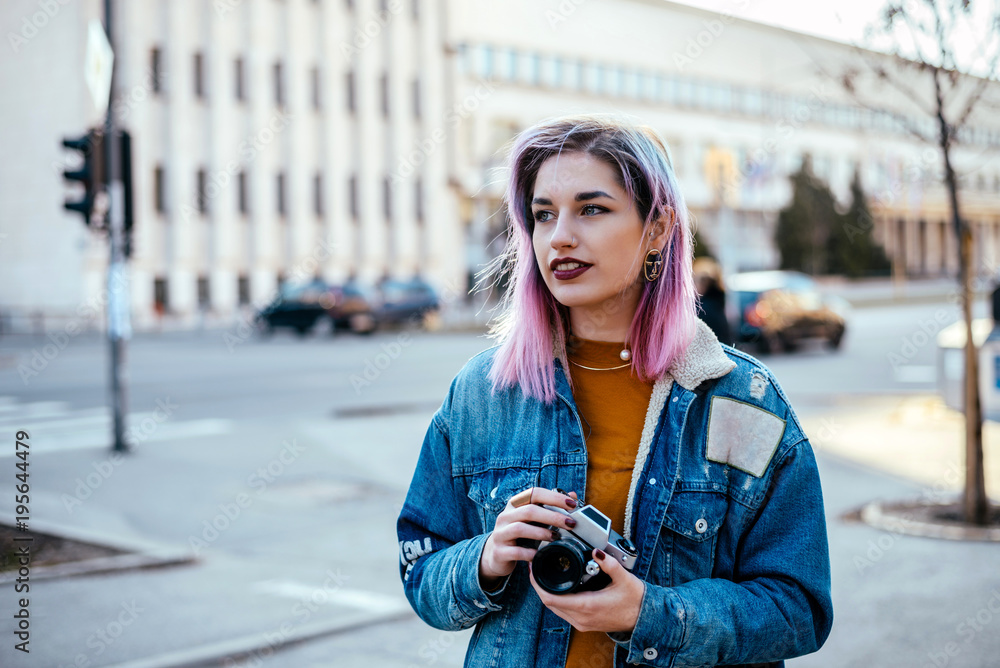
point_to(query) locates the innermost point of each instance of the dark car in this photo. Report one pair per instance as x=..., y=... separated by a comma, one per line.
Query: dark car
x=354, y=306
x=300, y=306
x=775, y=310
x=414, y=299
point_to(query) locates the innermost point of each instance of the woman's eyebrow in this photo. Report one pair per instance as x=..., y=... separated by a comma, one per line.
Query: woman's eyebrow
x=593, y=194
x=580, y=197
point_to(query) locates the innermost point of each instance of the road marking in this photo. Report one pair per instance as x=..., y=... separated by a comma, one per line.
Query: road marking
x=368, y=601
x=55, y=428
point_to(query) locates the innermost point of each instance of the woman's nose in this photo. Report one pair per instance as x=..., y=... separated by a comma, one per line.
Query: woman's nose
x=562, y=235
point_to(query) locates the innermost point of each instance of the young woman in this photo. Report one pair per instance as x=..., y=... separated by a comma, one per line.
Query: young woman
x=605, y=384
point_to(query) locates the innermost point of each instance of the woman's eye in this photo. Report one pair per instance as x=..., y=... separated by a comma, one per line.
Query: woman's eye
x=591, y=209
x=541, y=216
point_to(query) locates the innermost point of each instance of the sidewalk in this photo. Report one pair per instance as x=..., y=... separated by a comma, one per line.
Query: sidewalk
x=292, y=528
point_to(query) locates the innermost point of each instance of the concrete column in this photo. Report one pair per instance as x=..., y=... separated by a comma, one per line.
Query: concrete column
x=337, y=44
x=180, y=158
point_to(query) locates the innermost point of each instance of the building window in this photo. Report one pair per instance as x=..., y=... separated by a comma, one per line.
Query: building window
x=281, y=194
x=202, y=189
x=352, y=196
x=349, y=84
x=203, y=293
x=159, y=190
x=199, y=76
x=314, y=78
x=161, y=295
x=384, y=93
x=243, y=290
x=387, y=198
x=318, y=194
x=241, y=189
x=416, y=99
x=241, y=93
x=279, y=89
x=156, y=69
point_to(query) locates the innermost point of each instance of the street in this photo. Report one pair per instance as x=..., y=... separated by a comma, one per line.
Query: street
x=281, y=463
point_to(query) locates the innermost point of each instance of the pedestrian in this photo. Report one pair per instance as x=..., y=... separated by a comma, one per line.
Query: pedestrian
x=712, y=297
x=605, y=384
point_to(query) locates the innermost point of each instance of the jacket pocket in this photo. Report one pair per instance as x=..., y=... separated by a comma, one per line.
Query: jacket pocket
x=689, y=534
x=491, y=489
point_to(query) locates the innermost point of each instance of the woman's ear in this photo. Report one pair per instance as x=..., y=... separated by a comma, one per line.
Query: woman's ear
x=660, y=230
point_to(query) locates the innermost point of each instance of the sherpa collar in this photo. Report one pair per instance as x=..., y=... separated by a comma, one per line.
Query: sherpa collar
x=703, y=359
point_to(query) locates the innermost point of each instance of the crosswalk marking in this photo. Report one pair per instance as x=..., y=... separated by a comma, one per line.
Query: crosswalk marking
x=55, y=427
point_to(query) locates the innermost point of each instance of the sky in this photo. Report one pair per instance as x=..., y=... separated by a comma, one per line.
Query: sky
x=841, y=20
x=845, y=21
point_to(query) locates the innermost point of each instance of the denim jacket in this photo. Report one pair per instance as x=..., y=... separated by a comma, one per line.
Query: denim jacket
x=725, y=509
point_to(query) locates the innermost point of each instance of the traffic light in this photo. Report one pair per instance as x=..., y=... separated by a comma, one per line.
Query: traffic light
x=125, y=144
x=91, y=174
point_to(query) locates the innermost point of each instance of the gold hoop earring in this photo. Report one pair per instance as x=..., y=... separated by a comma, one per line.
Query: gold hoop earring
x=653, y=265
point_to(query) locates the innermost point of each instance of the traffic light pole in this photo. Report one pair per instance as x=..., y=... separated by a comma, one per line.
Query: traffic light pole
x=119, y=325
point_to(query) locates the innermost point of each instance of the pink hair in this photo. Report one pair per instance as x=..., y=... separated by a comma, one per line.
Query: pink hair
x=532, y=326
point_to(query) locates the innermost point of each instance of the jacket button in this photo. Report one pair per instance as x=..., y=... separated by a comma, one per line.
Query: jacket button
x=652, y=481
x=649, y=653
x=701, y=526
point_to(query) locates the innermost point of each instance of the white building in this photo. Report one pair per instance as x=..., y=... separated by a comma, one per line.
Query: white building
x=289, y=138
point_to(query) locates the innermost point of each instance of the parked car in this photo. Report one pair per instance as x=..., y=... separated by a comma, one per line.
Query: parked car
x=297, y=306
x=777, y=309
x=354, y=306
x=404, y=300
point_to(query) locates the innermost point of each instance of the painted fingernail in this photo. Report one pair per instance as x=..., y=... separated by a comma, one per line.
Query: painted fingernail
x=599, y=554
x=570, y=522
x=556, y=535
x=571, y=502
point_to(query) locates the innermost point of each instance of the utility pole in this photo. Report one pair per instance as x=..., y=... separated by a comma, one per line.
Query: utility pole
x=119, y=324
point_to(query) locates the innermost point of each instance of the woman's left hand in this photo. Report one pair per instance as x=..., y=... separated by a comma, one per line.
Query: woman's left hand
x=613, y=608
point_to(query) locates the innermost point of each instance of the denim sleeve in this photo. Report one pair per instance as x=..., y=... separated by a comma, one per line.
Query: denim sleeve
x=778, y=604
x=440, y=542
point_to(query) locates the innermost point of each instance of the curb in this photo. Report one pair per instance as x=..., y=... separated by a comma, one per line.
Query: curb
x=257, y=646
x=889, y=517
x=140, y=553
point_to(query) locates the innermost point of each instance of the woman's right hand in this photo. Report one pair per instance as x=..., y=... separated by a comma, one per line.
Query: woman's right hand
x=529, y=521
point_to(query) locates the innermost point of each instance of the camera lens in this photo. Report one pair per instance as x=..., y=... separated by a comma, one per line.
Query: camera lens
x=558, y=567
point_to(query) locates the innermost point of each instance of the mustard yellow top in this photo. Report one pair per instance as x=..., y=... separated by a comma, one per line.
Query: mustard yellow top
x=612, y=406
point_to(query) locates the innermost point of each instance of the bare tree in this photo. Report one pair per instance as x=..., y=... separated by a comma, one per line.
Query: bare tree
x=942, y=58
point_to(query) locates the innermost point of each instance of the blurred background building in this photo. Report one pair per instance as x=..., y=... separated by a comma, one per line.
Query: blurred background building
x=284, y=139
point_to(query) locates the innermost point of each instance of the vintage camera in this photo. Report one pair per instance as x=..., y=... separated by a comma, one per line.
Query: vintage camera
x=565, y=566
